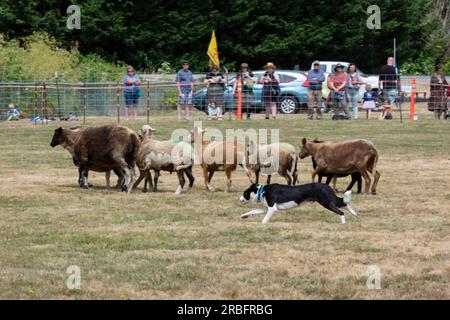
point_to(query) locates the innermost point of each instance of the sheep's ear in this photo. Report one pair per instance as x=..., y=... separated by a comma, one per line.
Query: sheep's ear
x=303, y=141
x=153, y=130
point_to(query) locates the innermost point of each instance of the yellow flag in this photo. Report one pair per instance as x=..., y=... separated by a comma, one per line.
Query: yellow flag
x=213, y=52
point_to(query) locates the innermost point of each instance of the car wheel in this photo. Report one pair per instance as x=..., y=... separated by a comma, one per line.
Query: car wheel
x=288, y=105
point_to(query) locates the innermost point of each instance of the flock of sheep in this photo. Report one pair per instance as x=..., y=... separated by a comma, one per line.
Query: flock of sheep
x=120, y=149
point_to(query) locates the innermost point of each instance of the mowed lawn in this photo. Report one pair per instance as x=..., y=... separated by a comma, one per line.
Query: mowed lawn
x=195, y=246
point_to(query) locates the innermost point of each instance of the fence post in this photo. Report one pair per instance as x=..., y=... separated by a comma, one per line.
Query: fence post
x=84, y=103
x=148, y=102
x=239, y=99
x=413, y=99
x=44, y=103
x=118, y=102
x=35, y=102
x=57, y=95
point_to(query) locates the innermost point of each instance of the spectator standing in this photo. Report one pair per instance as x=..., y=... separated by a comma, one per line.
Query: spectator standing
x=389, y=81
x=215, y=82
x=337, y=83
x=248, y=79
x=437, y=102
x=271, y=90
x=185, y=86
x=352, y=90
x=132, y=92
x=369, y=101
x=315, y=79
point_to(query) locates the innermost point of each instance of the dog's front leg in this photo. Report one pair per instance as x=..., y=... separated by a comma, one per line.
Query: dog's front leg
x=353, y=212
x=252, y=213
x=269, y=214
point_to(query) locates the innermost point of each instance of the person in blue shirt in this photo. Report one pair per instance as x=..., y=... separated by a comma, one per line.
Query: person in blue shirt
x=315, y=79
x=185, y=86
x=369, y=101
x=132, y=92
x=12, y=113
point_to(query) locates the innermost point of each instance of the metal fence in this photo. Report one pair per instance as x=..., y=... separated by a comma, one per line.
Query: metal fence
x=158, y=93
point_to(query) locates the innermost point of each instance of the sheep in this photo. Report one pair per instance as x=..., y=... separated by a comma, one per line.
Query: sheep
x=209, y=150
x=261, y=159
x=101, y=149
x=163, y=155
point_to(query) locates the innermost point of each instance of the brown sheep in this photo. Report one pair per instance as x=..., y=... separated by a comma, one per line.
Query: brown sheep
x=340, y=157
x=101, y=148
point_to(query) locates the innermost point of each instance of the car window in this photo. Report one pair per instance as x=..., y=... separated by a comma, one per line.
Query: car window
x=323, y=67
x=287, y=78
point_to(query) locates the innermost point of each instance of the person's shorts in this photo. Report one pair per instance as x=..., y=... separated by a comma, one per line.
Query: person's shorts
x=338, y=96
x=131, y=99
x=185, y=99
x=390, y=95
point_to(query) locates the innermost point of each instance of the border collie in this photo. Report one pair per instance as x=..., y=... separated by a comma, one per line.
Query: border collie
x=282, y=197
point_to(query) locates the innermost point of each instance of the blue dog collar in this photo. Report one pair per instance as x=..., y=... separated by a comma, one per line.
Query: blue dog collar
x=260, y=193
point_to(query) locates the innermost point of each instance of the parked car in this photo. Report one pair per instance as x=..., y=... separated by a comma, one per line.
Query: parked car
x=293, y=95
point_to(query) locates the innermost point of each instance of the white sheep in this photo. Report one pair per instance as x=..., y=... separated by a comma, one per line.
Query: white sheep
x=273, y=158
x=163, y=155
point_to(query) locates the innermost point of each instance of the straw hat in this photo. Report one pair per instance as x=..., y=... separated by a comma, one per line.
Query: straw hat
x=244, y=65
x=270, y=65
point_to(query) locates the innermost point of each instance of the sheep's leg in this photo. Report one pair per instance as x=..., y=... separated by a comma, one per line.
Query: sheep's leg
x=155, y=181
x=334, y=182
x=228, y=180
x=190, y=176
x=257, y=176
x=80, y=176
x=108, y=177
x=268, y=179
x=367, y=179
x=375, y=182
x=181, y=182
x=288, y=178
x=207, y=178
x=85, y=175
x=316, y=172
x=139, y=179
x=119, y=174
x=295, y=178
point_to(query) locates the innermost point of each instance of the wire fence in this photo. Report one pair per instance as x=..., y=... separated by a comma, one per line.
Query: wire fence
x=54, y=100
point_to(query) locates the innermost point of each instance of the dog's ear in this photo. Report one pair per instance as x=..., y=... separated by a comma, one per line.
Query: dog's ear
x=303, y=141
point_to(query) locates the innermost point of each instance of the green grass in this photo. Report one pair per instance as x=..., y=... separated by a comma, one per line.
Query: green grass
x=196, y=246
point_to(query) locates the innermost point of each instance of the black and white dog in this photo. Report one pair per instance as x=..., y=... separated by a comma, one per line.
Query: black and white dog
x=282, y=197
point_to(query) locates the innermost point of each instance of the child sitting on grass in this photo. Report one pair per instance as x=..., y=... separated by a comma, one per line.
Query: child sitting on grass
x=369, y=101
x=214, y=112
x=12, y=114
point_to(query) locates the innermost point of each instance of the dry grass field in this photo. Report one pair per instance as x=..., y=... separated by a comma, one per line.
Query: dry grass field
x=195, y=246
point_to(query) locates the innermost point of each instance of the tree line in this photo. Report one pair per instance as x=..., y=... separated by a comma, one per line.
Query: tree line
x=289, y=32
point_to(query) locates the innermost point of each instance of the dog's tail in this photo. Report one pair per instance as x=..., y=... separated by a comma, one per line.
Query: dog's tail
x=347, y=197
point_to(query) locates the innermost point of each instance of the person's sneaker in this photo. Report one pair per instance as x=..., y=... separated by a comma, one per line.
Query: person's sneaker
x=248, y=116
x=267, y=118
x=319, y=118
x=310, y=118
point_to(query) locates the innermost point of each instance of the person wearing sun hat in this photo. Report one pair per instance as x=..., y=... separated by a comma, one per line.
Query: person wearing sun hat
x=248, y=79
x=337, y=83
x=271, y=89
